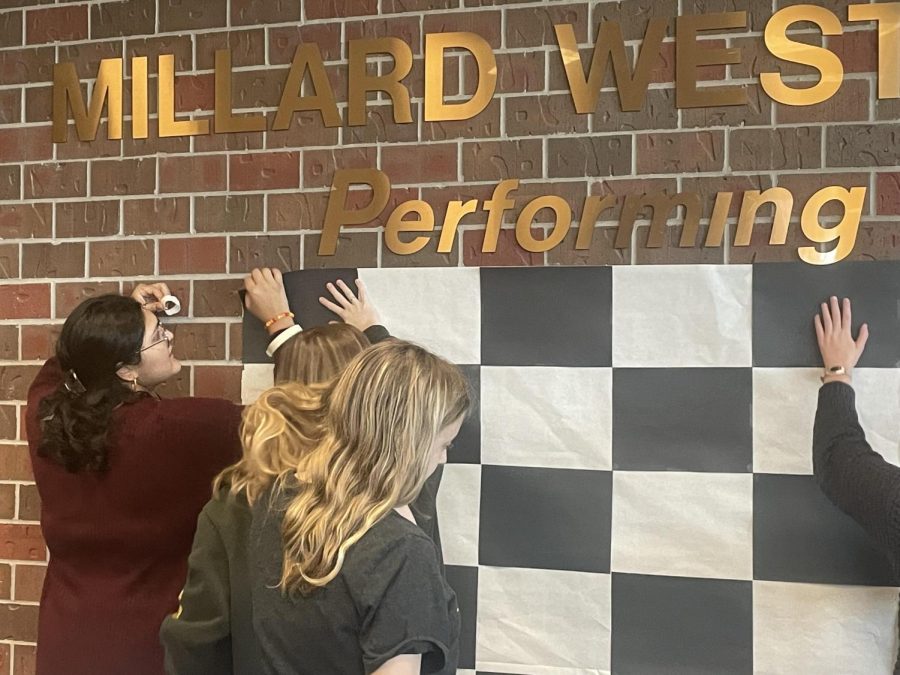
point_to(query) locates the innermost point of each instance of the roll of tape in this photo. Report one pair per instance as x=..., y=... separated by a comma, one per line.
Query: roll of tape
x=171, y=305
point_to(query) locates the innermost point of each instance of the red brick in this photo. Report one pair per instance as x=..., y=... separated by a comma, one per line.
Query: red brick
x=10, y=183
x=238, y=142
x=297, y=211
x=858, y=51
x=434, y=163
x=9, y=348
x=199, y=341
x=153, y=144
x=29, y=582
x=121, y=258
x=574, y=157
x=177, y=45
x=485, y=24
x=250, y=12
x=236, y=342
x=19, y=622
x=39, y=342
x=131, y=17
x=533, y=26
x=198, y=173
x=498, y=160
x=29, y=503
x=681, y=152
x=7, y=512
x=8, y=423
x=102, y=146
x=331, y=9
x=87, y=219
x=123, y=177
x=231, y=213
x=247, y=47
x=15, y=462
x=39, y=105
x=24, y=659
x=308, y=129
x=380, y=127
x=11, y=29
x=256, y=89
x=196, y=255
x=47, y=181
x=193, y=92
x=354, y=249
x=887, y=194
x=774, y=149
x=24, y=301
x=11, y=106
x=177, y=15
x=516, y=73
x=406, y=28
x=15, y=380
x=26, y=66
x=56, y=24
x=217, y=297
x=70, y=295
x=850, y=104
x=218, y=382
x=56, y=260
x=87, y=57
x=283, y=41
x=165, y=215
x=485, y=124
x=508, y=253
x=264, y=171
x=23, y=426
x=25, y=144
x=22, y=542
x=9, y=261
x=282, y=252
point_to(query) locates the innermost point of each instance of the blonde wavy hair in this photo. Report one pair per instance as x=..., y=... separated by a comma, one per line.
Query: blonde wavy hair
x=384, y=413
x=285, y=422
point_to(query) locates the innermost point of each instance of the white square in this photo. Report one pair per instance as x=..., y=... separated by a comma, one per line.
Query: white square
x=827, y=630
x=535, y=621
x=683, y=524
x=682, y=315
x=547, y=417
x=458, y=503
x=784, y=412
x=439, y=309
x=256, y=378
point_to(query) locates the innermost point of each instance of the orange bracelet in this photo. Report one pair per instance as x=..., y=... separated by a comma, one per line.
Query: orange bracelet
x=279, y=317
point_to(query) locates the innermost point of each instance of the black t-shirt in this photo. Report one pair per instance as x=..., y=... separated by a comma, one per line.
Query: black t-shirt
x=390, y=598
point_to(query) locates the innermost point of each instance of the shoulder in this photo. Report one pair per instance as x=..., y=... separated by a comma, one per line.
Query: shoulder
x=391, y=545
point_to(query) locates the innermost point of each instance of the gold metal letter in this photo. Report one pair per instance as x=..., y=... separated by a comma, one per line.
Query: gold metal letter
x=844, y=232
x=485, y=65
x=495, y=206
x=168, y=125
x=523, y=224
x=307, y=56
x=337, y=214
x=823, y=60
x=226, y=122
x=140, y=108
x=67, y=89
x=360, y=82
x=662, y=205
x=887, y=16
x=689, y=55
x=456, y=210
x=753, y=199
x=396, y=224
x=593, y=207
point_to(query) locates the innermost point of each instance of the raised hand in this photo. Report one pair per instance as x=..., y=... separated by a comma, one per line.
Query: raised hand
x=358, y=311
x=265, y=298
x=836, y=342
x=150, y=295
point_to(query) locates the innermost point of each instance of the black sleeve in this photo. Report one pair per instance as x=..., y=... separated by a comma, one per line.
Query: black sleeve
x=197, y=638
x=852, y=475
x=377, y=333
x=411, y=610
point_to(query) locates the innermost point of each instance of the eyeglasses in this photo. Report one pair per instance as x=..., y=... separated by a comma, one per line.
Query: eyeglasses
x=161, y=334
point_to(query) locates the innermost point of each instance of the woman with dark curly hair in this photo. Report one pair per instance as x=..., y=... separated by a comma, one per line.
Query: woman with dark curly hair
x=122, y=476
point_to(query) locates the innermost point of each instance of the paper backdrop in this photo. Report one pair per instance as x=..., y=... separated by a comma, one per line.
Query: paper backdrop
x=634, y=492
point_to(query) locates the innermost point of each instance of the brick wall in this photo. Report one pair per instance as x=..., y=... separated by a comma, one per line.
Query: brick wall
x=84, y=218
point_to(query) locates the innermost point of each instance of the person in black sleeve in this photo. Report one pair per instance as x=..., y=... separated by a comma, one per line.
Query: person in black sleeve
x=342, y=579
x=853, y=476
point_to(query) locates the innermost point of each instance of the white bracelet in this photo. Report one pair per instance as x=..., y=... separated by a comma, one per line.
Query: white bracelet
x=282, y=337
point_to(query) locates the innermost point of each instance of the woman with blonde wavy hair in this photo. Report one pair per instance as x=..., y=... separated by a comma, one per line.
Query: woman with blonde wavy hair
x=342, y=578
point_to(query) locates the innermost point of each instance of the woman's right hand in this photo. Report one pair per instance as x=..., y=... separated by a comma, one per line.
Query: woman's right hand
x=266, y=297
x=836, y=343
x=150, y=295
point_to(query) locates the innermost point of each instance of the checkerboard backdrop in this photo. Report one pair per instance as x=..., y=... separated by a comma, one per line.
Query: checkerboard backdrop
x=634, y=493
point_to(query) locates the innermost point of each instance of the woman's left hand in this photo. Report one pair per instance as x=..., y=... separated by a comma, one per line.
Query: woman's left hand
x=150, y=295
x=836, y=343
x=359, y=312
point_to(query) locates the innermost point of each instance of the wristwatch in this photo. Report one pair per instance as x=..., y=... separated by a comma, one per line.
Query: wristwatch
x=833, y=370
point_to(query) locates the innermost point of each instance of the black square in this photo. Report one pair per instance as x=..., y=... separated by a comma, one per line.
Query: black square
x=683, y=419
x=798, y=535
x=467, y=444
x=464, y=581
x=786, y=297
x=550, y=316
x=303, y=292
x=557, y=519
x=679, y=625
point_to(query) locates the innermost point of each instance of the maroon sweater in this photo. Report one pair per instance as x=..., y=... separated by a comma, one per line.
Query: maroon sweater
x=119, y=540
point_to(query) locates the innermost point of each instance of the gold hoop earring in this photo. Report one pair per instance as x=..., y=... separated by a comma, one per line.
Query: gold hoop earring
x=134, y=385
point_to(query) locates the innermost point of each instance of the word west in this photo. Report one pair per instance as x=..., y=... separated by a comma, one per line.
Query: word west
x=609, y=49
x=416, y=217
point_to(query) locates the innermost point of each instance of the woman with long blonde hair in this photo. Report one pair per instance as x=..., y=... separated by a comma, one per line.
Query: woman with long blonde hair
x=342, y=578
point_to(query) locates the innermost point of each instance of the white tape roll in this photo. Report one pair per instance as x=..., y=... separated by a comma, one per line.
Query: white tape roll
x=171, y=305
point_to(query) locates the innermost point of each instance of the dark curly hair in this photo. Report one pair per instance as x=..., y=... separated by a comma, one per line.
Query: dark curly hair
x=100, y=336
